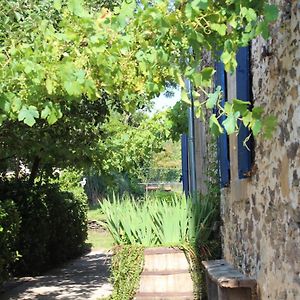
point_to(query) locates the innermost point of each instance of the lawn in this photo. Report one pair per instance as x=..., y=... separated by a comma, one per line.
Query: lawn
x=95, y=213
x=99, y=239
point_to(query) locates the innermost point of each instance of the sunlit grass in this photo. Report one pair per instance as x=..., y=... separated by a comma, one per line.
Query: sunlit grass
x=95, y=213
x=100, y=240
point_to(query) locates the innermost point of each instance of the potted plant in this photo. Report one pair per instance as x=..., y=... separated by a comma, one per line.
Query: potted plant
x=163, y=233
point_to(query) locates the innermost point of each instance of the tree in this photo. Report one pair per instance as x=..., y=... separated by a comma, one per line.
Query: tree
x=129, y=54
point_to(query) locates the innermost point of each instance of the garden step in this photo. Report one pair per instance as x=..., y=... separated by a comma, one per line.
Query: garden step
x=160, y=259
x=166, y=282
x=164, y=272
x=165, y=296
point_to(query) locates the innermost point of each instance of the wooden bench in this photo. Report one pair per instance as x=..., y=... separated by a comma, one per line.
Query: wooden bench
x=224, y=282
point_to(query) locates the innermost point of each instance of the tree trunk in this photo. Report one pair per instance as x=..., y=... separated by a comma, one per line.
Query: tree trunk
x=34, y=170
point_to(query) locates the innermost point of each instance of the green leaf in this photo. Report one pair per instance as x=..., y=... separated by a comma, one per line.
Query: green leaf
x=203, y=78
x=16, y=104
x=49, y=86
x=126, y=11
x=4, y=104
x=257, y=112
x=247, y=118
x=52, y=118
x=220, y=28
x=199, y=113
x=45, y=112
x=213, y=98
x=2, y=118
x=197, y=79
x=57, y=4
x=241, y=106
x=270, y=12
x=249, y=14
x=263, y=29
x=226, y=57
x=269, y=126
x=215, y=125
x=76, y=7
x=73, y=88
x=256, y=127
x=199, y=4
x=28, y=115
x=230, y=123
x=228, y=108
x=184, y=97
x=206, y=75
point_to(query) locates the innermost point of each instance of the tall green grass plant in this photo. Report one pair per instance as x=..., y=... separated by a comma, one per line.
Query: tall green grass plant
x=154, y=222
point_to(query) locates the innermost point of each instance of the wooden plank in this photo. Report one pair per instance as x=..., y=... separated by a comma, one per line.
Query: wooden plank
x=226, y=276
x=231, y=93
x=165, y=272
x=164, y=296
x=161, y=250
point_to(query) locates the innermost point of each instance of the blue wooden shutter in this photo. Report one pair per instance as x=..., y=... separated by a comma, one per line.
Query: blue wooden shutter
x=222, y=142
x=184, y=162
x=243, y=90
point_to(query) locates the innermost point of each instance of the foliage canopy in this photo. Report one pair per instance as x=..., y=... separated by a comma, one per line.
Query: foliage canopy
x=128, y=54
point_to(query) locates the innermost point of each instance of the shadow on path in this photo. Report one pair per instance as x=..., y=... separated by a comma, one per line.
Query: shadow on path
x=83, y=278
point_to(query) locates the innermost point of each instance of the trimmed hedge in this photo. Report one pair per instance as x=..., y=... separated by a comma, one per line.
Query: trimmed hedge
x=9, y=230
x=53, y=227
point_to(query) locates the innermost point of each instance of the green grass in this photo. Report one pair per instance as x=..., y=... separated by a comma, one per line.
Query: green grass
x=95, y=213
x=100, y=240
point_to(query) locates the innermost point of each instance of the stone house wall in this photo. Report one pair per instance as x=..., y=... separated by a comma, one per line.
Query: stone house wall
x=261, y=214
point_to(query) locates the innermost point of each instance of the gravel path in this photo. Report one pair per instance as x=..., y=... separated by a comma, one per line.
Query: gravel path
x=83, y=278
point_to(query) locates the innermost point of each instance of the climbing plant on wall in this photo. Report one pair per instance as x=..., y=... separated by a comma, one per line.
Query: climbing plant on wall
x=129, y=54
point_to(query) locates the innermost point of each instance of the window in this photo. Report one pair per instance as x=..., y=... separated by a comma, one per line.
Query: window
x=243, y=92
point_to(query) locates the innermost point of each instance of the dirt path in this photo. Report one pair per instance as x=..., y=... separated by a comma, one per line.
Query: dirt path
x=83, y=278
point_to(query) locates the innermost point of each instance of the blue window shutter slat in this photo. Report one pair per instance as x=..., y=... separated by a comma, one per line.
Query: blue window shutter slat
x=222, y=142
x=244, y=93
x=184, y=162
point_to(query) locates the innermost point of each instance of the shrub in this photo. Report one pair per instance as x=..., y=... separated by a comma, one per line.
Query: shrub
x=126, y=268
x=9, y=230
x=68, y=223
x=34, y=233
x=53, y=225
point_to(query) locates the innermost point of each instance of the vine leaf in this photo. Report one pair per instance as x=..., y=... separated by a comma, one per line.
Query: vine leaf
x=230, y=122
x=241, y=106
x=76, y=7
x=28, y=115
x=57, y=4
x=215, y=126
x=269, y=125
x=220, y=28
x=213, y=98
x=270, y=12
x=256, y=127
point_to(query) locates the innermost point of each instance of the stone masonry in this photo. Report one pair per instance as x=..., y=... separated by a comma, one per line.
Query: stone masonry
x=261, y=214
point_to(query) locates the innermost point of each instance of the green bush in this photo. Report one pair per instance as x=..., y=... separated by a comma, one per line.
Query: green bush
x=34, y=233
x=53, y=229
x=68, y=223
x=9, y=230
x=53, y=226
x=126, y=268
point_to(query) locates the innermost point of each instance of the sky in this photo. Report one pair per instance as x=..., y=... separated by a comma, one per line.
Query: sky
x=162, y=102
